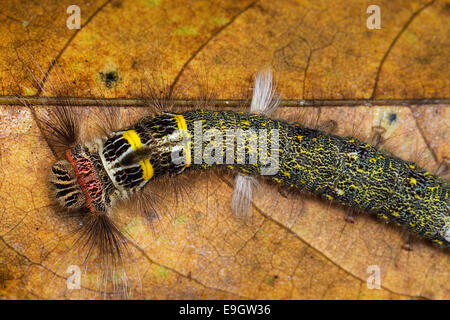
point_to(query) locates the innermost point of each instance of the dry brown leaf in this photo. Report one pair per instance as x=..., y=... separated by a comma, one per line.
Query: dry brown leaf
x=294, y=247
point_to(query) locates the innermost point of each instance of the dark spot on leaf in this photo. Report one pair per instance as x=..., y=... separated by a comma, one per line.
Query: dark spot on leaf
x=392, y=118
x=135, y=64
x=109, y=79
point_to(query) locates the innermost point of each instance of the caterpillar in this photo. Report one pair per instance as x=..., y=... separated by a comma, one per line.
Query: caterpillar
x=94, y=176
x=296, y=246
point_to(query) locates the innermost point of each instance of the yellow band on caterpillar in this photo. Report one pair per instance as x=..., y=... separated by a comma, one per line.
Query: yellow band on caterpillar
x=135, y=142
x=133, y=139
x=147, y=169
x=181, y=122
x=182, y=126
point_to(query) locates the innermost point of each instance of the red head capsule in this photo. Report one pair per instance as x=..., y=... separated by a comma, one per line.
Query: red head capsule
x=79, y=181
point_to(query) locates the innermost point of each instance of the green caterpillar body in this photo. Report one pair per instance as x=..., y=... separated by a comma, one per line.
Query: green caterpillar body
x=341, y=169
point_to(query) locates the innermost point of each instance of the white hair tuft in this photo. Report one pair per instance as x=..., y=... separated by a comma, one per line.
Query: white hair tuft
x=265, y=101
x=242, y=195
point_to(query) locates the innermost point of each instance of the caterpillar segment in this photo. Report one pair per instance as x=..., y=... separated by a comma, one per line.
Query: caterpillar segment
x=264, y=101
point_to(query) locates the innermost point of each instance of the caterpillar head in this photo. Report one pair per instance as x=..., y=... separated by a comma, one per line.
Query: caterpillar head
x=77, y=184
x=79, y=181
x=65, y=187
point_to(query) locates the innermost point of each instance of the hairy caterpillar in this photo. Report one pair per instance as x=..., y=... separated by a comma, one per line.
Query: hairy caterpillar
x=316, y=60
x=95, y=175
x=100, y=231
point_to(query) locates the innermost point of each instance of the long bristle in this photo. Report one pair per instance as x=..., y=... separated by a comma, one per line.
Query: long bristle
x=60, y=128
x=264, y=100
x=242, y=195
x=99, y=232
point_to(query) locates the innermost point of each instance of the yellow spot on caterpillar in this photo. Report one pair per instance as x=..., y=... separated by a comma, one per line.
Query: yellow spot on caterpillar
x=433, y=188
x=373, y=160
x=286, y=173
x=351, y=140
x=182, y=126
x=300, y=138
x=396, y=214
x=277, y=180
x=329, y=197
x=413, y=181
x=133, y=139
x=147, y=169
x=412, y=166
